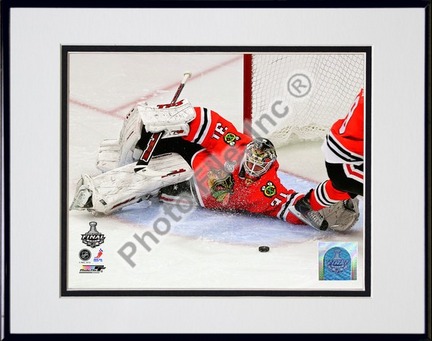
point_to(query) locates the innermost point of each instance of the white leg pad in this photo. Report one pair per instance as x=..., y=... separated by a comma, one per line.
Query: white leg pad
x=120, y=187
x=115, y=153
x=109, y=155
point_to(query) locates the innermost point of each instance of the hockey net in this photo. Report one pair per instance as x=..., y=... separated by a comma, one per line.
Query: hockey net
x=294, y=97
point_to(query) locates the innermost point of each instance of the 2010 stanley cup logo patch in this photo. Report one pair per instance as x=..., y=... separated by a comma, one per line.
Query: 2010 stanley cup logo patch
x=92, y=237
x=337, y=261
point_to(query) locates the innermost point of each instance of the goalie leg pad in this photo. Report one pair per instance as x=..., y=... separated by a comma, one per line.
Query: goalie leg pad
x=83, y=194
x=120, y=152
x=343, y=215
x=121, y=187
x=109, y=155
x=129, y=136
x=178, y=194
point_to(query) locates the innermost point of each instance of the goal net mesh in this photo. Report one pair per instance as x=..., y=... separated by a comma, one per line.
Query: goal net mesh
x=297, y=96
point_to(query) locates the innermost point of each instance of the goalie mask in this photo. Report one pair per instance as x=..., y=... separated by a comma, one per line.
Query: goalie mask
x=260, y=154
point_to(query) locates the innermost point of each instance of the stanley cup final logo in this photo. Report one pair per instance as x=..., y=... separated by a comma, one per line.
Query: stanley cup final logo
x=338, y=261
x=92, y=237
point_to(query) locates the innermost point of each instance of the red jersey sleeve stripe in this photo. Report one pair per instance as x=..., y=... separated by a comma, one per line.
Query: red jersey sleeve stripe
x=283, y=212
x=200, y=126
x=338, y=149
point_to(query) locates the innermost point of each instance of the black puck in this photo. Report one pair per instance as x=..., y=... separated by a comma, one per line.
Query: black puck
x=263, y=249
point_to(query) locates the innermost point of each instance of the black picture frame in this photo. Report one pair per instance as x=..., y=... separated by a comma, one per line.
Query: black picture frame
x=8, y=190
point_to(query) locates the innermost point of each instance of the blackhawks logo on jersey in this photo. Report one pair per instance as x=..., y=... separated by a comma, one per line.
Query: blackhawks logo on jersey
x=269, y=189
x=231, y=139
x=221, y=185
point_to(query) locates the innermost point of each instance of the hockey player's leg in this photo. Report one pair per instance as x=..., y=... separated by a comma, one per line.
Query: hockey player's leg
x=303, y=210
x=120, y=187
x=327, y=207
x=179, y=194
x=346, y=177
x=340, y=216
x=83, y=194
x=326, y=194
x=115, y=153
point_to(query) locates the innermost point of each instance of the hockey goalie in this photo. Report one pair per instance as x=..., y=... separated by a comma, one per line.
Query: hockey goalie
x=180, y=150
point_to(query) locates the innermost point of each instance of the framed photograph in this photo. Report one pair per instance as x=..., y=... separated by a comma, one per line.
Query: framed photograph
x=159, y=160
x=290, y=96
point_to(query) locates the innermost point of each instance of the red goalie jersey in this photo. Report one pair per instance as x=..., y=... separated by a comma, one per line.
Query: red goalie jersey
x=220, y=179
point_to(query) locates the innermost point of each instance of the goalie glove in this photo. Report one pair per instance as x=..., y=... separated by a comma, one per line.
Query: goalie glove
x=172, y=119
x=343, y=215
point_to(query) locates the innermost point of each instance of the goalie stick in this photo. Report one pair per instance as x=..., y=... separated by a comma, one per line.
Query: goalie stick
x=147, y=153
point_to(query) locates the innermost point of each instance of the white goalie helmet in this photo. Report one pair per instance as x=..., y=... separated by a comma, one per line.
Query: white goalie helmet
x=259, y=156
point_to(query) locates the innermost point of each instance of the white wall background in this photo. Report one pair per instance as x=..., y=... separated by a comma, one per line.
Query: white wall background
x=397, y=302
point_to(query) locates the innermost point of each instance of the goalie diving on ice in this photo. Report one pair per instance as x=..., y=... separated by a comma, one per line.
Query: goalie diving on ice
x=198, y=154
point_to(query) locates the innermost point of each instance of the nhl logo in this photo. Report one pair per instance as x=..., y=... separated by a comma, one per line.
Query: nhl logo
x=229, y=166
x=93, y=237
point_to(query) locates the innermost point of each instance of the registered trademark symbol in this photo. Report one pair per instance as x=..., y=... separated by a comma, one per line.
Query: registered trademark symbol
x=299, y=85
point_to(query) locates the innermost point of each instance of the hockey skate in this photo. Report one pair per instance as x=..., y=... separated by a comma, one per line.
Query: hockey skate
x=303, y=210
